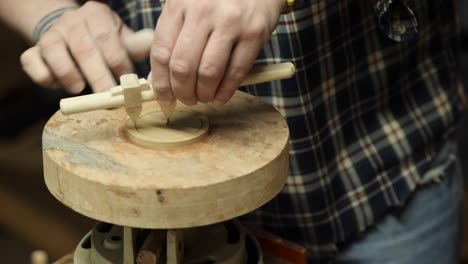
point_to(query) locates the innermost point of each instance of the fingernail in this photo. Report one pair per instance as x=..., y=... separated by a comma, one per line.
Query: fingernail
x=218, y=103
x=164, y=102
x=163, y=53
x=77, y=87
x=160, y=88
x=191, y=102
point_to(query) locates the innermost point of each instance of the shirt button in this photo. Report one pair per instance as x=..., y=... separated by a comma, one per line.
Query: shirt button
x=398, y=28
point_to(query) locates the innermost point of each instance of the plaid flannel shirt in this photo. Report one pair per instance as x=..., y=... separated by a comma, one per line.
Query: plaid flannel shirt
x=373, y=100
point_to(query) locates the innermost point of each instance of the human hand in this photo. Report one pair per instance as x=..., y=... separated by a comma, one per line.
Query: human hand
x=203, y=49
x=83, y=44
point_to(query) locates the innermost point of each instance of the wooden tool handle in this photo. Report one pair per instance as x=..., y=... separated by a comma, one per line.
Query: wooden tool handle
x=270, y=72
x=138, y=45
x=90, y=102
x=106, y=100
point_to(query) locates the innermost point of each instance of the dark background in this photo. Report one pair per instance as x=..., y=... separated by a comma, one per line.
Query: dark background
x=30, y=218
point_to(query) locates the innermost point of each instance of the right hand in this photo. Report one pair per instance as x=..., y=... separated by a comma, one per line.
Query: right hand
x=86, y=44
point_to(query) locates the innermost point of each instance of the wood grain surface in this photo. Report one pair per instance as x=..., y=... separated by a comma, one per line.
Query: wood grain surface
x=242, y=163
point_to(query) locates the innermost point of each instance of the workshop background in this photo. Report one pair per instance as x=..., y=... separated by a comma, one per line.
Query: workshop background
x=30, y=218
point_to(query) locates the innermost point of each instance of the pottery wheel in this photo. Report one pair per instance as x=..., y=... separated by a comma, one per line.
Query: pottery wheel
x=92, y=165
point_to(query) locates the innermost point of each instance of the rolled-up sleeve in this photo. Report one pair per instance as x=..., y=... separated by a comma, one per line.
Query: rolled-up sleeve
x=396, y=19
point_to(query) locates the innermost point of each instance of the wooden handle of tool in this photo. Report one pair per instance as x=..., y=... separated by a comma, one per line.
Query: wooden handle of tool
x=138, y=45
x=106, y=100
x=270, y=72
x=97, y=101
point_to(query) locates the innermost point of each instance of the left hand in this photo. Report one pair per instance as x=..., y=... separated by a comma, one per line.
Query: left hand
x=203, y=49
x=85, y=44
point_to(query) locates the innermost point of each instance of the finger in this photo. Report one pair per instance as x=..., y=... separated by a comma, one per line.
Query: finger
x=55, y=54
x=185, y=60
x=242, y=58
x=164, y=102
x=145, y=35
x=88, y=57
x=107, y=39
x=212, y=65
x=165, y=35
x=36, y=69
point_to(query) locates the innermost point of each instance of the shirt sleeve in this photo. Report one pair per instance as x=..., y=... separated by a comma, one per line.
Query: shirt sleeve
x=396, y=19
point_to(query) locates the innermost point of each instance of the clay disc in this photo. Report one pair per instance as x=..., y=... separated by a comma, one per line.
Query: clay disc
x=151, y=129
x=92, y=166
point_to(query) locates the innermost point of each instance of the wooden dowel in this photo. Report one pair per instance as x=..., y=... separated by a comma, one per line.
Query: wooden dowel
x=39, y=257
x=111, y=99
x=271, y=72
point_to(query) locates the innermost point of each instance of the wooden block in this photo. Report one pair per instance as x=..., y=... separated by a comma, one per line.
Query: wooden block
x=91, y=166
x=132, y=95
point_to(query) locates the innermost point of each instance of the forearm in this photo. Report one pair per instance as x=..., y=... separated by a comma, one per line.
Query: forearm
x=24, y=15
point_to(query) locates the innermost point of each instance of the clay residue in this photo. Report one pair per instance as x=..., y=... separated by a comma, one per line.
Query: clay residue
x=78, y=154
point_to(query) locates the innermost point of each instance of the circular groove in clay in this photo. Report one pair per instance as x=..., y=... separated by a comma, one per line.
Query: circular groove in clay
x=151, y=130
